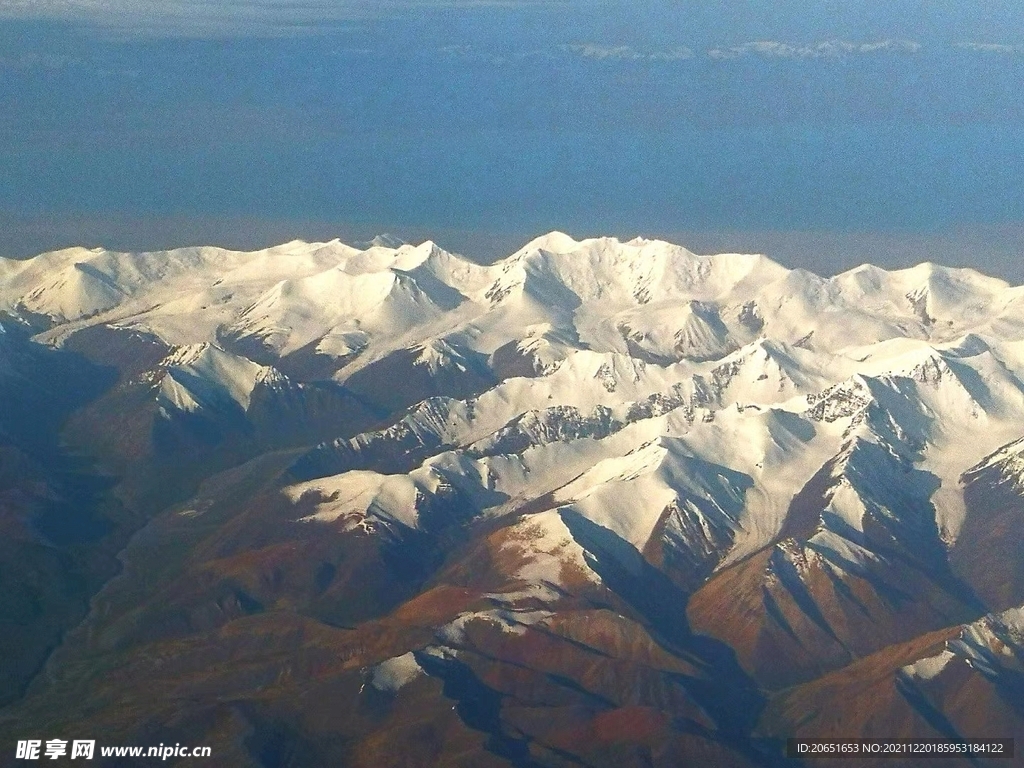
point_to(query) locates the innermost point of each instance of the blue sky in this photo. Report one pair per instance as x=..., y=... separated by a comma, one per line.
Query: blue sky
x=824, y=133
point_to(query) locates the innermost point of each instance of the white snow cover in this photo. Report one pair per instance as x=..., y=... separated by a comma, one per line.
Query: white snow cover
x=993, y=645
x=931, y=667
x=550, y=548
x=360, y=499
x=509, y=621
x=210, y=373
x=711, y=388
x=1010, y=460
x=394, y=674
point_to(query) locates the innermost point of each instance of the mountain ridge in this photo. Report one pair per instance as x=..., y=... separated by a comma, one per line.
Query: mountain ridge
x=441, y=473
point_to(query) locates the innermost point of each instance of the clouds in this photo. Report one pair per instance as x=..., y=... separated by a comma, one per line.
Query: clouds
x=629, y=53
x=766, y=50
x=654, y=31
x=759, y=49
x=626, y=53
x=827, y=49
x=997, y=48
x=461, y=115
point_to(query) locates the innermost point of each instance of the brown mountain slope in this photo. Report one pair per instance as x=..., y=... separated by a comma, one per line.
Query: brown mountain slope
x=962, y=682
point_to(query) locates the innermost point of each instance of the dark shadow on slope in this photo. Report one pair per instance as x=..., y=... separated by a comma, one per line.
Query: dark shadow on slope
x=399, y=380
x=287, y=413
x=440, y=293
x=182, y=432
x=446, y=511
x=412, y=556
x=804, y=510
x=509, y=361
x=899, y=523
x=39, y=391
x=920, y=703
x=272, y=741
x=390, y=453
x=989, y=551
x=776, y=614
x=247, y=345
x=55, y=544
x=695, y=530
x=40, y=387
x=71, y=517
x=725, y=691
x=1010, y=687
x=479, y=707
x=794, y=585
x=846, y=592
x=308, y=364
x=624, y=570
x=971, y=381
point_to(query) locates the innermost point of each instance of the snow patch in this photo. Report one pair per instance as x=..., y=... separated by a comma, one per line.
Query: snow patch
x=394, y=674
x=931, y=667
x=508, y=621
x=359, y=500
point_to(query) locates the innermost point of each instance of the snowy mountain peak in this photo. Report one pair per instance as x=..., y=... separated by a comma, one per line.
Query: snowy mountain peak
x=993, y=645
x=438, y=354
x=554, y=242
x=204, y=375
x=1008, y=461
x=384, y=240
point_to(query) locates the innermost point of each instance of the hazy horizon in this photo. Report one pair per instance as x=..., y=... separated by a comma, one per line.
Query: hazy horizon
x=821, y=134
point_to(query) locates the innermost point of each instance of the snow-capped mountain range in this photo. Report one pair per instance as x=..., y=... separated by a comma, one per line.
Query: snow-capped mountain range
x=662, y=357
x=811, y=462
